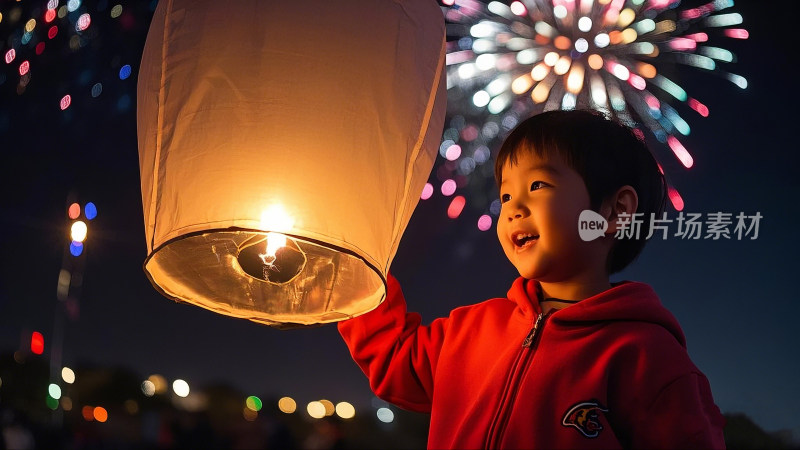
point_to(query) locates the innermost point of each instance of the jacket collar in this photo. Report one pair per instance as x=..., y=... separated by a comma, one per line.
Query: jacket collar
x=625, y=301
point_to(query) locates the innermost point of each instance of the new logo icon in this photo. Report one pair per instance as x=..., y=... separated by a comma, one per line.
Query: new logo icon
x=591, y=225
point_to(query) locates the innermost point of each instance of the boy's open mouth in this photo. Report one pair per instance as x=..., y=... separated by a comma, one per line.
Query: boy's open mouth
x=523, y=240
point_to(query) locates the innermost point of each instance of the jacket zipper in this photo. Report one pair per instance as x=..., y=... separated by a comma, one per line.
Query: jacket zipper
x=500, y=420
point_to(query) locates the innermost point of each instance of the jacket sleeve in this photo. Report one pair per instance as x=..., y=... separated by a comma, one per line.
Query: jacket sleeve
x=396, y=353
x=661, y=399
x=683, y=416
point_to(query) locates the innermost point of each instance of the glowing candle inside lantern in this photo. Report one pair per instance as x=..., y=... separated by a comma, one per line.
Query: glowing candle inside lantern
x=274, y=220
x=274, y=242
x=276, y=257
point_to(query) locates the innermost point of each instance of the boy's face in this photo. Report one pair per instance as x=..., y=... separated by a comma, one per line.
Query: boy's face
x=542, y=199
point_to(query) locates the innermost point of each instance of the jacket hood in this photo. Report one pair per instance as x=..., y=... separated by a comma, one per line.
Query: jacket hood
x=625, y=301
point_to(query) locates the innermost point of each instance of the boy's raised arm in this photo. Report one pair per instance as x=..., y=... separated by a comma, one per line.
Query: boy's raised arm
x=395, y=351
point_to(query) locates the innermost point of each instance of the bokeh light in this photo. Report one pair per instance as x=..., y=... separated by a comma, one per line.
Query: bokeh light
x=180, y=388
x=330, y=409
x=456, y=206
x=66, y=403
x=37, y=343
x=54, y=390
x=345, y=410
x=427, y=191
x=125, y=72
x=88, y=413
x=254, y=403
x=287, y=405
x=159, y=383
x=316, y=409
x=249, y=414
x=148, y=388
x=68, y=375
x=75, y=248
x=78, y=231
x=100, y=414
x=485, y=222
x=453, y=152
x=90, y=211
x=74, y=211
x=83, y=22
x=448, y=187
x=51, y=403
x=385, y=415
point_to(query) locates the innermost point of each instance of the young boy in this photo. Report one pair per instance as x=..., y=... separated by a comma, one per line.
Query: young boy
x=568, y=360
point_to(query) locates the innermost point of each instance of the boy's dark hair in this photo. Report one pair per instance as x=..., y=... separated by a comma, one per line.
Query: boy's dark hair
x=605, y=153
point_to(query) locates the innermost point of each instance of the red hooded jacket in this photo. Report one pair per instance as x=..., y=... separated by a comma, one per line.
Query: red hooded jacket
x=609, y=372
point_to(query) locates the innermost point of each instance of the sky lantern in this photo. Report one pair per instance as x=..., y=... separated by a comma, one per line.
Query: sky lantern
x=283, y=147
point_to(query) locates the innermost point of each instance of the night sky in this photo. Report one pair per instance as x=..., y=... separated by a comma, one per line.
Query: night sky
x=735, y=299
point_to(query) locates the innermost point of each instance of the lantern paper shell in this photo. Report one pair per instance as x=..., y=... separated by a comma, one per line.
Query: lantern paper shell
x=310, y=125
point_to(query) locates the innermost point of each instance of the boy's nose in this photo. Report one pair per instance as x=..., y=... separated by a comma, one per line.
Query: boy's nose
x=517, y=210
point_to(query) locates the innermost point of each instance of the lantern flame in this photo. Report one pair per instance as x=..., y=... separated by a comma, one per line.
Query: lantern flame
x=275, y=219
x=274, y=242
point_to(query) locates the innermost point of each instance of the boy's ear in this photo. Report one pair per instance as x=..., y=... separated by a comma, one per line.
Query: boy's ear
x=625, y=201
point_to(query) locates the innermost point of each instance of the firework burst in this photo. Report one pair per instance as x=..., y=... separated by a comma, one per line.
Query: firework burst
x=508, y=61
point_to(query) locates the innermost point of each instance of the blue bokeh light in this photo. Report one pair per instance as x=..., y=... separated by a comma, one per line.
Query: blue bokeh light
x=76, y=248
x=90, y=211
x=125, y=72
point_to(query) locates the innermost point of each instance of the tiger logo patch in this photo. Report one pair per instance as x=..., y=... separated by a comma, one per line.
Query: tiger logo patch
x=585, y=417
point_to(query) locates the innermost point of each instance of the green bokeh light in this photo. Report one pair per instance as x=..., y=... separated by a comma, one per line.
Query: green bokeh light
x=253, y=403
x=51, y=403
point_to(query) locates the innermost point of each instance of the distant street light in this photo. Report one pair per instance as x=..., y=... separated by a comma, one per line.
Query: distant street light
x=78, y=231
x=180, y=387
x=70, y=281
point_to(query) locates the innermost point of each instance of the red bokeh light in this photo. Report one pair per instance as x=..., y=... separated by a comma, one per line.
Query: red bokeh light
x=37, y=343
x=456, y=206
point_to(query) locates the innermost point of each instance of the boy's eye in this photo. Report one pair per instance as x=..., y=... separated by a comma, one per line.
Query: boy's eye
x=537, y=185
x=504, y=198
